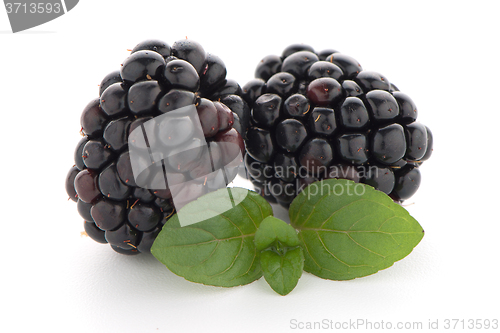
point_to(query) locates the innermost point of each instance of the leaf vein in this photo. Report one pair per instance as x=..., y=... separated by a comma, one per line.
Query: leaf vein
x=361, y=231
x=214, y=240
x=307, y=249
x=333, y=255
x=210, y=256
x=250, y=216
x=299, y=210
x=249, y=267
x=363, y=247
x=232, y=262
x=390, y=218
x=338, y=210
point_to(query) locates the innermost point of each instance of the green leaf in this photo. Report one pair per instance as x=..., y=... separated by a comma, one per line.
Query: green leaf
x=281, y=257
x=273, y=231
x=218, y=251
x=351, y=230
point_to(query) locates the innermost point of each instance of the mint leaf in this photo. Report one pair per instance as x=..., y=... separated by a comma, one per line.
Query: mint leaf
x=218, y=251
x=351, y=230
x=275, y=232
x=282, y=271
x=281, y=257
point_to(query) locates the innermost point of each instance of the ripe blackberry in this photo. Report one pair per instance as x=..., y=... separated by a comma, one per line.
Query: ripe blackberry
x=126, y=211
x=319, y=115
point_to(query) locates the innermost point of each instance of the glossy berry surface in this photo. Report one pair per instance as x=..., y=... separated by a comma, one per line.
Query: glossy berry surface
x=143, y=96
x=111, y=78
x=125, y=210
x=115, y=133
x=316, y=155
x=430, y=142
x=353, y=148
x=416, y=137
x=94, y=232
x=407, y=182
x=389, y=144
x=353, y=114
x=70, y=183
x=190, y=51
x=281, y=83
x=285, y=167
x=266, y=110
x=324, y=91
x=322, y=121
x=290, y=134
x=296, y=106
x=319, y=115
x=93, y=119
x=260, y=144
x=181, y=74
x=108, y=214
x=268, y=66
x=142, y=65
x=213, y=74
x=86, y=186
x=382, y=105
x=408, y=110
x=321, y=69
x=114, y=100
x=111, y=185
x=369, y=80
x=381, y=178
x=96, y=154
x=298, y=63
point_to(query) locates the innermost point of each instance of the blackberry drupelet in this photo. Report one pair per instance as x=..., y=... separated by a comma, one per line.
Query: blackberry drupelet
x=155, y=79
x=319, y=115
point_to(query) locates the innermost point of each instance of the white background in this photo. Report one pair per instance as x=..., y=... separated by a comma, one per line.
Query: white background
x=445, y=55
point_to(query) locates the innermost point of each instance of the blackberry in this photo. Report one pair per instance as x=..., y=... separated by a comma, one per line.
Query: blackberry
x=157, y=79
x=319, y=115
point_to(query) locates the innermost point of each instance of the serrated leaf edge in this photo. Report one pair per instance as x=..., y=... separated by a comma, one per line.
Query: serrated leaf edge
x=218, y=240
x=305, y=247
